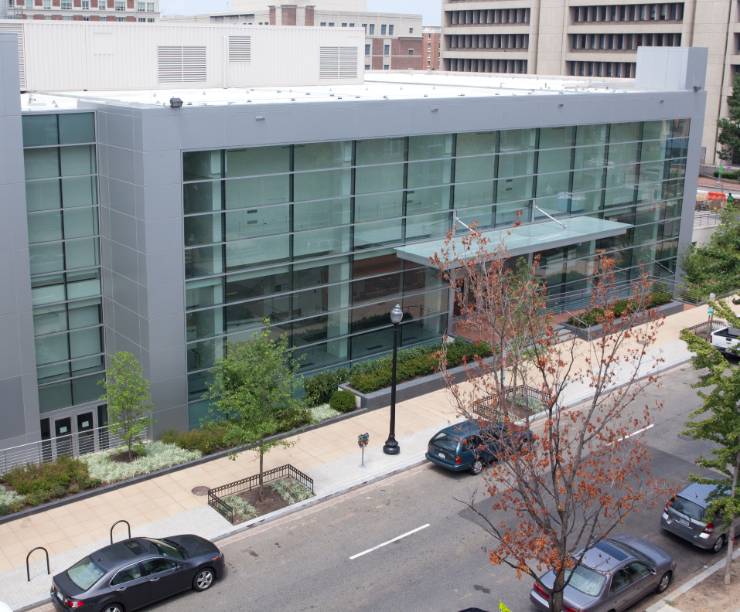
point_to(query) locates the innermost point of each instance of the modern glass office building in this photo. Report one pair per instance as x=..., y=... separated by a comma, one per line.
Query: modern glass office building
x=169, y=230
x=305, y=235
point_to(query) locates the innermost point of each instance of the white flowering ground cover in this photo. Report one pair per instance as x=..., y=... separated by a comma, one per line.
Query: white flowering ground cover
x=158, y=455
x=9, y=499
x=322, y=412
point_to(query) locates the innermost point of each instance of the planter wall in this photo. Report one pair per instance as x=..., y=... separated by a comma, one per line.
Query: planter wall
x=596, y=331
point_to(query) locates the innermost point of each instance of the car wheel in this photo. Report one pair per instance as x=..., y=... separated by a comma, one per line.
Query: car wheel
x=665, y=582
x=718, y=544
x=113, y=608
x=477, y=467
x=203, y=579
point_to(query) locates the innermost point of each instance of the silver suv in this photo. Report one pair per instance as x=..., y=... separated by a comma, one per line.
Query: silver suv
x=684, y=516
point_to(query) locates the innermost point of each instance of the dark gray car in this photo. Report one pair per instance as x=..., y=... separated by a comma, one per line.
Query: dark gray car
x=685, y=516
x=136, y=573
x=613, y=575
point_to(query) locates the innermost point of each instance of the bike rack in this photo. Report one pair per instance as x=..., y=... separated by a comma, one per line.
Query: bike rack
x=28, y=556
x=113, y=526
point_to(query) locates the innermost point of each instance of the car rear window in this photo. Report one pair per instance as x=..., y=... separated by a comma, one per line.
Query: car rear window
x=85, y=573
x=444, y=440
x=167, y=549
x=585, y=580
x=687, y=507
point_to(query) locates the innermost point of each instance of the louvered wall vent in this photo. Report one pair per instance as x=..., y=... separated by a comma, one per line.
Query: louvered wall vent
x=337, y=63
x=240, y=49
x=181, y=64
x=18, y=31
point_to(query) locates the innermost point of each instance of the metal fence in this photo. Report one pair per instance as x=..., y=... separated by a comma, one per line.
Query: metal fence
x=522, y=401
x=70, y=445
x=704, y=330
x=216, y=496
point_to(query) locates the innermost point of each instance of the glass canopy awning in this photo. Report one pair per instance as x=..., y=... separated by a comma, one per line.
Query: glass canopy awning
x=520, y=240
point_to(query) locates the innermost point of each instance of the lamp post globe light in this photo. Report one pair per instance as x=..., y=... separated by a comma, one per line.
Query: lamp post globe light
x=391, y=445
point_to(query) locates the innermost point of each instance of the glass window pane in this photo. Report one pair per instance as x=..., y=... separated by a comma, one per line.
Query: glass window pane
x=327, y=241
x=322, y=355
x=85, y=342
x=260, y=191
x=256, y=161
x=201, y=165
x=77, y=161
x=44, y=227
x=380, y=151
x=427, y=200
x=378, y=206
x=474, y=194
x=84, y=314
x=475, y=168
x=374, y=179
x=249, y=315
x=203, y=229
x=41, y=163
x=83, y=285
x=369, y=344
x=50, y=349
x=39, y=130
x=430, y=147
x=241, y=253
x=204, y=293
x=202, y=197
x=203, y=261
x=81, y=253
x=254, y=222
x=370, y=234
x=49, y=320
x=437, y=172
x=55, y=396
x=80, y=222
x=49, y=292
x=203, y=355
x=86, y=389
x=204, y=323
x=476, y=143
x=311, y=215
x=79, y=191
x=46, y=258
x=252, y=284
x=427, y=226
x=322, y=185
x=323, y=155
x=74, y=128
x=517, y=140
x=43, y=195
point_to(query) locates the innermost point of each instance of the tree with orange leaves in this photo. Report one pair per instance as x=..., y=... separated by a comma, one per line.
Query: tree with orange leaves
x=584, y=471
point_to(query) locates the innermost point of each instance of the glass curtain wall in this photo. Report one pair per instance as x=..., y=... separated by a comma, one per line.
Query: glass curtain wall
x=61, y=197
x=304, y=235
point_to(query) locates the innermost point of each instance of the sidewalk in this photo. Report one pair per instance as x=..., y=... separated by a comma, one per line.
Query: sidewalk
x=166, y=505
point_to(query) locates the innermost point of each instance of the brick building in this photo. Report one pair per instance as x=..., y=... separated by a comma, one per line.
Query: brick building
x=141, y=11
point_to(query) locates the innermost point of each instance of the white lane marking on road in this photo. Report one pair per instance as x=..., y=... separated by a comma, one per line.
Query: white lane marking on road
x=403, y=535
x=634, y=433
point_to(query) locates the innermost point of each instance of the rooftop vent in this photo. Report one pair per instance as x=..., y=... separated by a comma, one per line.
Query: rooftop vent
x=181, y=64
x=337, y=63
x=240, y=49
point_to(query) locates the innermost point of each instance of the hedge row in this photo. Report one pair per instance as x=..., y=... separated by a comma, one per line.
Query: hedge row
x=596, y=316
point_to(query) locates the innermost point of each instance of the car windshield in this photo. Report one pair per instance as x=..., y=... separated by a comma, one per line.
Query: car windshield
x=689, y=508
x=585, y=580
x=85, y=573
x=444, y=440
x=167, y=549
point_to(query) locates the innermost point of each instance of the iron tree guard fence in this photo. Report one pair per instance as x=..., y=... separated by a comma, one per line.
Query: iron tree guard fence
x=216, y=497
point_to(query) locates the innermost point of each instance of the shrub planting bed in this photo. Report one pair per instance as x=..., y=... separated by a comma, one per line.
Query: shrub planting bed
x=596, y=316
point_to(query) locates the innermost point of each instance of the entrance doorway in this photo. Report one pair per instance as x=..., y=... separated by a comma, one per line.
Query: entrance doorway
x=74, y=435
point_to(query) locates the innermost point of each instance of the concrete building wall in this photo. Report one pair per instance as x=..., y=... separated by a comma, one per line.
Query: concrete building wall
x=552, y=27
x=19, y=409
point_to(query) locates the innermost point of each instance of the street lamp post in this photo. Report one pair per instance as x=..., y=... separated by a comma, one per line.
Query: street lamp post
x=391, y=445
x=710, y=311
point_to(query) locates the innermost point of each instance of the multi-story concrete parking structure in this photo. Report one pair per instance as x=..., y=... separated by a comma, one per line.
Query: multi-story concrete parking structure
x=171, y=220
x=593, y=38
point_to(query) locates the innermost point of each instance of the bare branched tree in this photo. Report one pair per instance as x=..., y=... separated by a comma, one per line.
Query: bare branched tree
x=585, y=470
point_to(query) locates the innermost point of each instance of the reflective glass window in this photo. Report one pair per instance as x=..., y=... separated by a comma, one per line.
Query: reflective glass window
x=76, y=128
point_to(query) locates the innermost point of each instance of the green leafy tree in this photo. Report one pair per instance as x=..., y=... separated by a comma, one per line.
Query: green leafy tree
x=718, y=420
x=128, y=399
x=715, y=267
x=729, y=128
x=254, y=392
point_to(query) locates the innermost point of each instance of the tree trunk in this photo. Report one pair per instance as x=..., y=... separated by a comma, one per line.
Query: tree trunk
x=556, y=598
x=261, y=478
x=731, y=535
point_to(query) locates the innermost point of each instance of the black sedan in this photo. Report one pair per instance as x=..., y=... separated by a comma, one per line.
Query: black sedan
x=138, y=572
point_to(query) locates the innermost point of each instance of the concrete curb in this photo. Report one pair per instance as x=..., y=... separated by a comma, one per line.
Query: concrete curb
x=664, y=604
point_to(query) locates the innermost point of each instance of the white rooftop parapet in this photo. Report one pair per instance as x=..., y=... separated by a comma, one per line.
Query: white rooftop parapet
x=671, y=68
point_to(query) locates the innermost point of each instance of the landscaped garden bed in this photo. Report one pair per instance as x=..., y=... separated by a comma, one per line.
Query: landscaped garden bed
x=245, y=499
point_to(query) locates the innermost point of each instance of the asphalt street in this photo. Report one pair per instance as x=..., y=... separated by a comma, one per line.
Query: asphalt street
x=409, y=543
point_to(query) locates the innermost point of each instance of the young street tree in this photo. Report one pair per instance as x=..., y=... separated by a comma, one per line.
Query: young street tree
x=718, y=420
x=729, y=128
x=715, y=267
x=128, y=399
x=584, y=472
x=253, y=392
